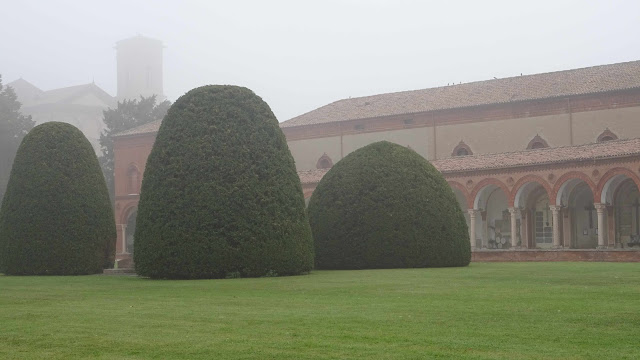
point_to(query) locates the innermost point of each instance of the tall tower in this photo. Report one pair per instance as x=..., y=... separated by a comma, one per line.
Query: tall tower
x=139, y=68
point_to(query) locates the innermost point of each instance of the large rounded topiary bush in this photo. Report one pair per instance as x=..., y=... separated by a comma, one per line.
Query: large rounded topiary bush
x=220, y=195
x=385, y=206
x=56, y=217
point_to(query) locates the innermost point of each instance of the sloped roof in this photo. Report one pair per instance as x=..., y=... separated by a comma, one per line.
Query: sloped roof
x=557, y=155
x=596, y=151
x=30, y=96
x=148, y=128
x=588, y=80
x=311, y=176
x=26, y=92
x=68, y=94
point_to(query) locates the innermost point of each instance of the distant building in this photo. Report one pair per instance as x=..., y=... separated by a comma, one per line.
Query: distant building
x=80, y=106
x=139, y=68
x=139, y=61
x=546, y=164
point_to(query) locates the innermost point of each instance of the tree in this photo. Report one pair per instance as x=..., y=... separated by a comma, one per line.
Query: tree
x=385, y=206
x=56, y=217
x=13, y=127
x=127, y=115
x=220, y=195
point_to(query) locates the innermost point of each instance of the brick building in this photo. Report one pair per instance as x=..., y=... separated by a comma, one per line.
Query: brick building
x=548, y=164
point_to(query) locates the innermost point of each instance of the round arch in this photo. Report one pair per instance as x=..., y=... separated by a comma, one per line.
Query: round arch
x=127, y=211
x=462, y=149
x=564, y=183
x=133, y=179
x=456, y=185
x=607, y=135
x=524, y=186
x=537, y=143
x=610, y=182
x=133, y=165
x=324, y=162
x=477, y=190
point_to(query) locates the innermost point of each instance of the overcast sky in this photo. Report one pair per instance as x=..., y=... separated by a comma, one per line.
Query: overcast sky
x=300, y=55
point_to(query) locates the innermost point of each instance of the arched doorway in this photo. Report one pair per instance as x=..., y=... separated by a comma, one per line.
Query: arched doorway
x=537, y=218
x=541, y=221
x=130, y=232
x=626, y=204
x=577, y=196
x=494, y=229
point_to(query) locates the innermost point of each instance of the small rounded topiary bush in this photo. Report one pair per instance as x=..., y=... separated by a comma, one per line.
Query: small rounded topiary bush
x=56, y=216
x=220, y=195
x=385, y=206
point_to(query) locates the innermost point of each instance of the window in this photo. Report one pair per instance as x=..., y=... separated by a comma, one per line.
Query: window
x=607, y=135
x=324, y=162
x=543, y=231
x=537, y=143
x=133, y=180
x=462, y=149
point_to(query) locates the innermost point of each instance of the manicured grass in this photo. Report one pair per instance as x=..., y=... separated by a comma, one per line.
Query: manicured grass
x=484, y=311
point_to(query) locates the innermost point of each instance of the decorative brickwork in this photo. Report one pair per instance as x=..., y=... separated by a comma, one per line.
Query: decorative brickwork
x=568, y=176
x=607, y=135
x=324, y=162
x=461, y=149
x=612, y=173
x=530, y=178
x=537, y=143
x=482, y=184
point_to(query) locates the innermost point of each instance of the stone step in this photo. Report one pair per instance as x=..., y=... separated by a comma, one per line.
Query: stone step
x=120, y=271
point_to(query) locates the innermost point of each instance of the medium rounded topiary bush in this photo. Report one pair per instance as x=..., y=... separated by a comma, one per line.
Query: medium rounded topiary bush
x=385, y=206
x=220, y=195
x=56, y=216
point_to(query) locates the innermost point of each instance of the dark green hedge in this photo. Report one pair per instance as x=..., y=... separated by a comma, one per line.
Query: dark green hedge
x=385, y=206
x=56, y=217
x=220, y=195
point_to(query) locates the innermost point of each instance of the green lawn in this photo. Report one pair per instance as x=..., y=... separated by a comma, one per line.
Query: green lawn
x=484, y=311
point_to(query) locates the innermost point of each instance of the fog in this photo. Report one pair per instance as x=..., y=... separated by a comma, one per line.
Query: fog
x=300, y=55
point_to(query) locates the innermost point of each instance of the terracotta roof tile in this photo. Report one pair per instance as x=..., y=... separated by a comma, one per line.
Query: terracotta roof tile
x=529, y=87
x=588, y=152
x=603, y=150
x=148, y=128
x=311, y=176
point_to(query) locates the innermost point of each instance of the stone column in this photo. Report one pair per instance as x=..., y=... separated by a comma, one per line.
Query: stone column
x=515, y=213
x=555, y=211
x=600, y=208
x=472, y=227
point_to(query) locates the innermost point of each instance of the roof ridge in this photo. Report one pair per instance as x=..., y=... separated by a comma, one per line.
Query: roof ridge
x=542, y=150
x=482, y=81
x=561, y=83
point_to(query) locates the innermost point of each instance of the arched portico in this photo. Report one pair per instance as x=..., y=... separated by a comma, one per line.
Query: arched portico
x=618, y=191
x=538, y=216
x=127, y=224
x=492, y=228
x=575, y=196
